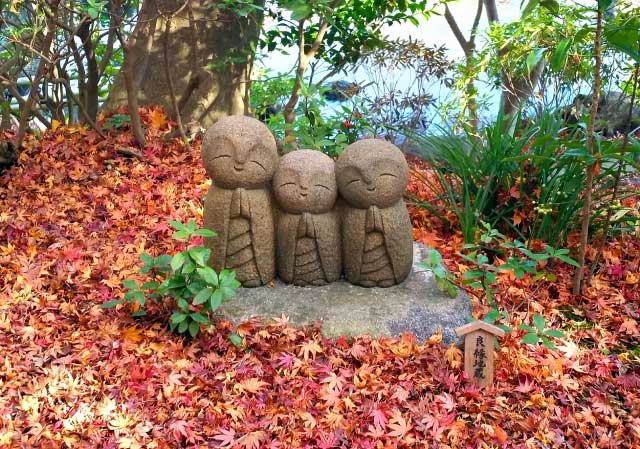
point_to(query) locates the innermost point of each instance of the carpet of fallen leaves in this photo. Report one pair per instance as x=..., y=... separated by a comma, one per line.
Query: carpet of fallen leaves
x=74, y=216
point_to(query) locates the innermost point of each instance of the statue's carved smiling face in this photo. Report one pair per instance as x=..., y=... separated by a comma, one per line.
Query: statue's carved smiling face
x=238, y=152
x=372, y=173
x=305, y=181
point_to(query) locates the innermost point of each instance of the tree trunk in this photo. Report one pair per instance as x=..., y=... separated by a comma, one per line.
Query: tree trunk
x=210, y=52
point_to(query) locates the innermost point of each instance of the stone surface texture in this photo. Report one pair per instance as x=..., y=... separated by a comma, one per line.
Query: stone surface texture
x=239, y=154
x=416, y=305
x=376, y=231
x=308, y=228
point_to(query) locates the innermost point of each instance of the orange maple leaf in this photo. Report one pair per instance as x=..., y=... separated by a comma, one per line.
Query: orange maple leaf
x=252, y=385
x=398, y=425
x=157, y=119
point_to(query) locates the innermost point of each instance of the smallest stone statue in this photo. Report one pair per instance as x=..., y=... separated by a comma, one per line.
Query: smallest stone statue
x=308, y=229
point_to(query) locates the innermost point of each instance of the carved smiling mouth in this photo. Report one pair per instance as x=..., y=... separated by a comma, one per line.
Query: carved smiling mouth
x=371, y=189
x=240, y=168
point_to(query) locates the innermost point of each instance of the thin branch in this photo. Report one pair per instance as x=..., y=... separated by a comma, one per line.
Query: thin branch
x=455, y=28
x=81, y=108
x=167, y=71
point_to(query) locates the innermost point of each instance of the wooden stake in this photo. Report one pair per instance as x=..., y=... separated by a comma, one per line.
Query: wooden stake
x=478, y=350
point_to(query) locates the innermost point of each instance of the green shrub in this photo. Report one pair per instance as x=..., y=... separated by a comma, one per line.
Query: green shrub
x=529, y=184
x=184, y=278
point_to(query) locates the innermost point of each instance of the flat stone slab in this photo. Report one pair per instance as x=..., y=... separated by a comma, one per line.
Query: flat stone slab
x=417, y=305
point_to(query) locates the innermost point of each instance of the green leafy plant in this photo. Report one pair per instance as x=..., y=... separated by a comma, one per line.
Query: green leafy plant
x=117, y=121
x=184, y=278
x=538, y=333
x=444, y=279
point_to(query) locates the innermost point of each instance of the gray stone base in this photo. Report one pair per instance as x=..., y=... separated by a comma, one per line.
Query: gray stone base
x=417, y=305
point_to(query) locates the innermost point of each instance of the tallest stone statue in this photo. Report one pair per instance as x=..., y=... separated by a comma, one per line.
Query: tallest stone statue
x=239, y=154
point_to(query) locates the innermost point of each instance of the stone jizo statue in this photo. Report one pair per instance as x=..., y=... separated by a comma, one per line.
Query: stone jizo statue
x=377, y=239
x=239, y=154
x=308, y=229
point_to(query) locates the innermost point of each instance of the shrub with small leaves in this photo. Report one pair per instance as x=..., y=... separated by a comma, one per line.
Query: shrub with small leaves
x=185, y=278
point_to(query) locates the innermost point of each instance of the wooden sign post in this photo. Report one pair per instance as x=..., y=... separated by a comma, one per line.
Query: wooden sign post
x=478, y=350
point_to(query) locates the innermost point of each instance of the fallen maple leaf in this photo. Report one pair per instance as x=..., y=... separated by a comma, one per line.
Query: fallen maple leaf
x=379, y=418
x=398, y=425
x=252, y=385
x=310, y=347
x=226, y=437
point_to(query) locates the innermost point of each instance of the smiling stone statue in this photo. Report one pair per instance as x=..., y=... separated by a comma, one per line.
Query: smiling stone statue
x=376, y=231
x=308, y=230
x=239, y=154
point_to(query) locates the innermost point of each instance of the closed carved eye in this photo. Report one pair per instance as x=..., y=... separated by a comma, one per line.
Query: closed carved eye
x=353, y=180
x=259, y=164
x=387, y=174
x=323, y=186
x=288, y=184
x=222, y=156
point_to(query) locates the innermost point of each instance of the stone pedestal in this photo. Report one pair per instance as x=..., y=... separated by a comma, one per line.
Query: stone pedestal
x=416, y=305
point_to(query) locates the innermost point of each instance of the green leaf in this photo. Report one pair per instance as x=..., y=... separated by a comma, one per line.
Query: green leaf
x=538, y=322
x=183, y=304
x=149, y=285
x=138, y=313
x=202, y=296
x=132, y=295
x=451, y=289
x=603, y=5
x=568, y=260
x=236, y=340
x=188, y=268
x=162, y=260
x=472, y=274
x=129, y=284
x=200, y=318
x=178, y=317
x=109, y=304
x=182, y=327
x=216, y=299
x=178, y=260
x=194, y=328
x=176, y=282
x=533, y=58
x=180, y=235
x=300, y=9
x=531, y=5
x=526, y=327
x=491, y=316
x=530, y=338
x=560, y=55
x=200, y=255
x=191, y=226
x=177, y=225
x=205, y=233
x=208, y=275
x=547, y=343
x=146, y=259
x=551, y=5
x=554, y=333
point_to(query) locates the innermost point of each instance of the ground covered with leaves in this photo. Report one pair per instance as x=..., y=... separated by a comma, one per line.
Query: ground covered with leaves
x=75, y=214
